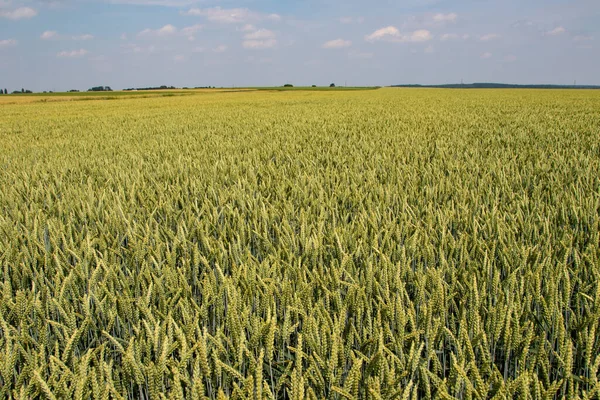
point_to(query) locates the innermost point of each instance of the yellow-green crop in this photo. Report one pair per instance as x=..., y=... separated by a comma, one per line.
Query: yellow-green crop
x=386, y=244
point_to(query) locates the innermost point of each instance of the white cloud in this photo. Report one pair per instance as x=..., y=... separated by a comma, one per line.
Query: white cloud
x=164, y=3
x=392, y=34
x=260, y=34
x=179, y=58
x=559, y=30
x=198, y=49
x=259, y=39
x=169, y=31
x=445, y=17
x=389, y=31
x=191, y=30
x=231, y=15
x=86, y=36
x=337, y=44
x=49, y=35
x=220, y=49
x=421, y=35
x=248, y=28
x=123, y=36
x=488, y=37
x=72, y=53
x=352, y=20
x=583, y=38
x=7, y=43
x=523, y=23
x=453, y=36
x=486, y=55
x=510, y=58
x=449, y=36
x=19, y=13
x=166, y=30
x=259, y=44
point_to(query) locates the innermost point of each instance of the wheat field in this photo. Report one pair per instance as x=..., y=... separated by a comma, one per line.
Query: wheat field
x=382, y=244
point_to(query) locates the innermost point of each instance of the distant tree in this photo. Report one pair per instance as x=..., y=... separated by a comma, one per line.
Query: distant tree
x=314, y=85
x=332, y=85
x=22, y=90
x=100, y=89
x=288, y=85
x=5, y=91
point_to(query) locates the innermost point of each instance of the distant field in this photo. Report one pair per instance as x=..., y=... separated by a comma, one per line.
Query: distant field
x=318, y=88
x=120, y=94
x=319, y=244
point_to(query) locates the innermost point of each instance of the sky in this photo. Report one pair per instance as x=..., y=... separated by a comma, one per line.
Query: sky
x=76, y=44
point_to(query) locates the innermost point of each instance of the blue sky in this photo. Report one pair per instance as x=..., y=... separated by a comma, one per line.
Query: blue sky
x=74, y=44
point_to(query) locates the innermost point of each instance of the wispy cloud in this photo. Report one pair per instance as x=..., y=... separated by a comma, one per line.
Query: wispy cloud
x=162, y=3
x=48, y=35
x=452, y=17
x=171, y=31
x=220, y=49
x=72, y=53
x=166, y=30
x=488, y=37
x=392, y=34
x=86, y=36
x=190, y=31
x=231, y=15
x=247, y=28
x=453, y=36
x=7, y=43
x=134, y=48
x=510, y=58
x=257, y=39
x=486, y=55
x=337, y=44
x=583, y=38
x=260, y=34
x=259, y=44
x=53, y=35
x=19, y=13
x=559, y=30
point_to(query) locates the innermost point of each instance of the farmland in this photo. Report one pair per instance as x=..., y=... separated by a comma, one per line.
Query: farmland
x=378, y=244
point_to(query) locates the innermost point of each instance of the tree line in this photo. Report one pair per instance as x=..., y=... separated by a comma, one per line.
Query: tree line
x=4, y=91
